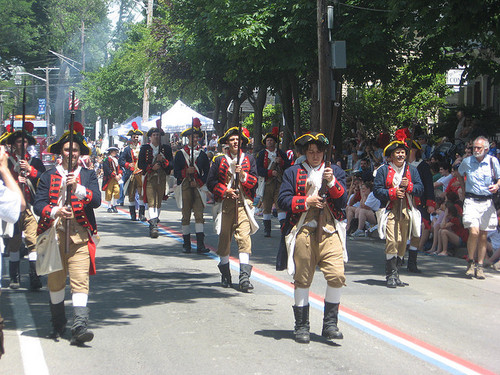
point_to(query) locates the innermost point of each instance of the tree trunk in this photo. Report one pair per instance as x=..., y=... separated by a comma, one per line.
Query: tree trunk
x=337, y=119
x=294, y=83
x=286, y=100
x=238, y=99
x=258, y=108
x=314, y=106
x=219, y=129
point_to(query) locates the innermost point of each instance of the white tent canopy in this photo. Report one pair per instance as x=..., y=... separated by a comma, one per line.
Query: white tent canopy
x=124, y=128
x=179, y=118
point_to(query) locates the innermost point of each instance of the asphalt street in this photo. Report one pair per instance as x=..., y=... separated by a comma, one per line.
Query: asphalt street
x=155, y=310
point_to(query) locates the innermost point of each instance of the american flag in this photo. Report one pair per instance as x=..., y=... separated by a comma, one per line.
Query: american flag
x=77, y=103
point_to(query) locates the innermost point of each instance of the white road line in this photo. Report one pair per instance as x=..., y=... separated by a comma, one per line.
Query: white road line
x=31, y=348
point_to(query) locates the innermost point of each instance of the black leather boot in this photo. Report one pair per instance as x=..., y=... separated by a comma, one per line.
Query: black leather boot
x=142, y=213
x=79, y=332
x=133, y=216
x=391, y=272
x=153, y=228
x=330, y=319
x=2, y=350
x=35, y=281
x=282, y=222
x=399, y=262
x=187, y=243
x=200, y=243
x=226, y=281
x=14, y=275
x=58, y=319
x=267, y=228
x=301, y=330
x=245, y=272
x=412, y=261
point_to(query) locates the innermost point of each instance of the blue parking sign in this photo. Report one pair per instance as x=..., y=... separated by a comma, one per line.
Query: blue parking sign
x=41, y=106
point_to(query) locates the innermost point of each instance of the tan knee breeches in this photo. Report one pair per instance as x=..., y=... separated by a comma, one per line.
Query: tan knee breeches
x=230, y=225
x=327, y=254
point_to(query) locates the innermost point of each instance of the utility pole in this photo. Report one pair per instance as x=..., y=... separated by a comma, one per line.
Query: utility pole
x=323, y=67
x=145, y=99
x=83, y=64
x=47, y=98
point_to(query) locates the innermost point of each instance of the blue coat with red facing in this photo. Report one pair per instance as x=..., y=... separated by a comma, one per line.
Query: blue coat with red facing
x=47, y=196
x=218, y=175
x=292, y=199
x=385, y=192
x=108, y=172
x=126, y=160
x=263, y=163
x=180, y=166
x=36, y=170
x=146, y=158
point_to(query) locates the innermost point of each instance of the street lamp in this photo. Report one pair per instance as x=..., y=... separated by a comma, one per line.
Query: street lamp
x=2, y=101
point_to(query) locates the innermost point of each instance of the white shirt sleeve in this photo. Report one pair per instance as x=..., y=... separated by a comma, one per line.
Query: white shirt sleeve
x=10, y=204
x=372, y=202
x=80, y=191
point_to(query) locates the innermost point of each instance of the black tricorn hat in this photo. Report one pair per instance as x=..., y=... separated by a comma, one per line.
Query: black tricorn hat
x=401, y=136
x=311, y=137
x=157, y=129
x=56, y=148
x=245, y=135
x=28, y=128
x=135, y=130
x=194, y=129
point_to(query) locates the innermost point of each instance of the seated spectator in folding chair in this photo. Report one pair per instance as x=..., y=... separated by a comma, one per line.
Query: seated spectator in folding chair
x=365, y=213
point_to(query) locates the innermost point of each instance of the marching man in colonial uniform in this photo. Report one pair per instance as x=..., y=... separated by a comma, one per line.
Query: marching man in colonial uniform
x=132, y=173
x=396, y=184
x=78, y=255
x=27, y=171
x=314, y=195
x=232, y=179
x=191, y=167
x=271, y=162
x=155, y=161
x=112, y=174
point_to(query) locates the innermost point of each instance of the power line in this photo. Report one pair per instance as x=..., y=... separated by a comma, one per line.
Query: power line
x=365, y=8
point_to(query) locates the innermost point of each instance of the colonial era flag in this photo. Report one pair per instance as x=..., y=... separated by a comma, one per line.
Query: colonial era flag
x=77, y=103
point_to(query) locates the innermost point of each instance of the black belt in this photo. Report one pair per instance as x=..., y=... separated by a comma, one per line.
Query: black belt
x=477, y=197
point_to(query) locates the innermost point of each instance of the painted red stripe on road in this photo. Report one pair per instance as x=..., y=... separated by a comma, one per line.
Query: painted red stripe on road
x=424, y=345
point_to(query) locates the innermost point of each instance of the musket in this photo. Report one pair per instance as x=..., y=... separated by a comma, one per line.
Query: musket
x=23, y=151
x=399, y=212
x=69, y=189
x=237, y=175
x=22, y=173
x=276, y=166
x=191, y=152
x=328, y=158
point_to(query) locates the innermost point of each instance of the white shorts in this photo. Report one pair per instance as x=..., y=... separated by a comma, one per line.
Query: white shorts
x=479, y=214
